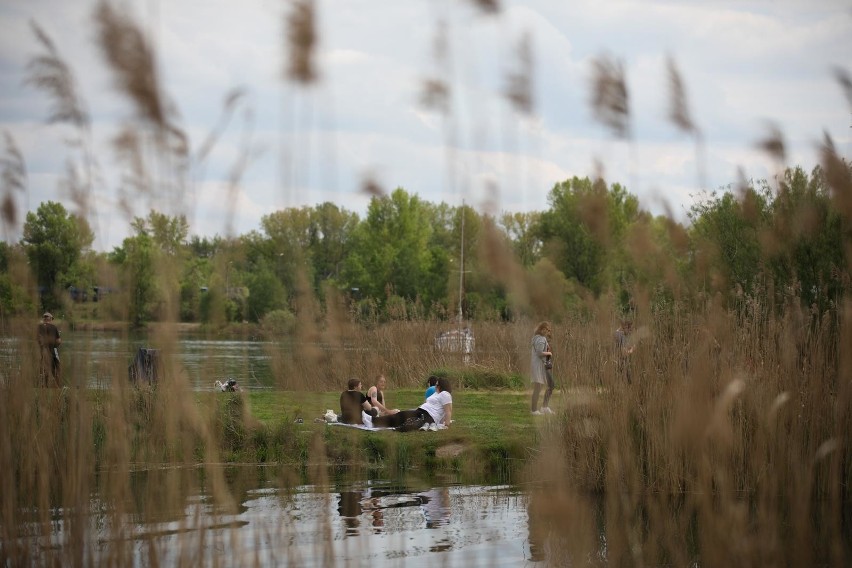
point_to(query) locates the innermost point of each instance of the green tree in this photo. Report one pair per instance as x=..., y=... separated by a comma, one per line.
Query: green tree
x=54, y=241
x=330, y=237
x=14, y=296
x=726, y=239
x=390, y=251
x=523, y=231
x=286, y=247
x=805, y=245
x=205, y=247
x=196, y=275
x=168, y=233
x=266, y=294
x=585, y=222
x=137, y=257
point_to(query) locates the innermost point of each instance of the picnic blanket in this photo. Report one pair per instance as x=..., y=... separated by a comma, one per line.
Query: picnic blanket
x=367, y=423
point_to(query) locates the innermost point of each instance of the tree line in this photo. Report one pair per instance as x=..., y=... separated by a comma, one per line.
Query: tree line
x=402, y=260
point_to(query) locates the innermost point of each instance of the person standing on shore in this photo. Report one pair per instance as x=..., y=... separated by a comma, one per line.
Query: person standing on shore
x=541, y=363
x=49, y=340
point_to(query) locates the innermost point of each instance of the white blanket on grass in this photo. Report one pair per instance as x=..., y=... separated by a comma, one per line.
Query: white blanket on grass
x=367, y=423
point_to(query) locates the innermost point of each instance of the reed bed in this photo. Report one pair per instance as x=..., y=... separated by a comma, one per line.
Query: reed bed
x=728, y=446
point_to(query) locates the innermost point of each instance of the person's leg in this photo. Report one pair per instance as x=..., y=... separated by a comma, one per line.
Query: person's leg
x=535, y=393
x=549, y=390
x=394, y=420
x=416, y=422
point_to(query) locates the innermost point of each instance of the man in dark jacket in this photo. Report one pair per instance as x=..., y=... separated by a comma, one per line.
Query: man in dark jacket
x=49, y=340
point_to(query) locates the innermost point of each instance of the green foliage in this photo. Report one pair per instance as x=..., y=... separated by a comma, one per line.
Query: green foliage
x=266, y=293
x=808, y=232
x=726, y=233
x=584, y=225
x=14, y=298
x=522, y=231
x=196, y=275
x=168, y=233
x=278, y=323
x=137, y=259
x=53, y=241
x=791, y=239
x=402, y=261
x=390, y=252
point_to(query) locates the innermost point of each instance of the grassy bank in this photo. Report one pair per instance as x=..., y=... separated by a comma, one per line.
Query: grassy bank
x=493, y=434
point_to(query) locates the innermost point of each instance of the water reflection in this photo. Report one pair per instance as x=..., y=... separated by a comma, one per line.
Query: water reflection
x=436, y=507
x=171, y=517
x=99, y=357
x=366, y=507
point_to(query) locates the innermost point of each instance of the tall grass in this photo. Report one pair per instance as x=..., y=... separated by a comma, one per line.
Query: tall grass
x=730, y=446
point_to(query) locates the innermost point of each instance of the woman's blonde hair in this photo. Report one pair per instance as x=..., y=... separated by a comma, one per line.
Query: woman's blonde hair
x=542, y=327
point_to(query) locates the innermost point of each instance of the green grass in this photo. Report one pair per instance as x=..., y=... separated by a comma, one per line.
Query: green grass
x=492, y=434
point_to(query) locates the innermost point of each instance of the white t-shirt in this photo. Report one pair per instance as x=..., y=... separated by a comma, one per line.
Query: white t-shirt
x=434, y=405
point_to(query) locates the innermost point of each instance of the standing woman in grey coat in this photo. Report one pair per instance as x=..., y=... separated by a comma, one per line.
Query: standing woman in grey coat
x=541, y=362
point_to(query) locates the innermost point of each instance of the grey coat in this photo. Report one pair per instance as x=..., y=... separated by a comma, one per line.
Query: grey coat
x=538, y=373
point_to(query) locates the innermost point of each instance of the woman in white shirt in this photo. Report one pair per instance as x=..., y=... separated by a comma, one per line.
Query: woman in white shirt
x=435, y=413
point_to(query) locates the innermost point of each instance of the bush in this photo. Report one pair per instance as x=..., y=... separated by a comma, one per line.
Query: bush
x=278, y=322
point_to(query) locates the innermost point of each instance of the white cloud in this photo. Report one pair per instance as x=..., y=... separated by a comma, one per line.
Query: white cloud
x=743, y=62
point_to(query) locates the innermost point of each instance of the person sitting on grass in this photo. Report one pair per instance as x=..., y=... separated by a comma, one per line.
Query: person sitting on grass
x=433, y=380
x=352, y=402
x=435, y=413
x=377, y=397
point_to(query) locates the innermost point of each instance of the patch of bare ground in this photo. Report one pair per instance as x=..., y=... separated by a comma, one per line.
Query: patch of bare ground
x=449, y=451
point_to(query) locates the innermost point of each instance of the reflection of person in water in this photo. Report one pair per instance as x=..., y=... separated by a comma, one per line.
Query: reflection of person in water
x=374, y=506
x=435, y=504
x=350, y=511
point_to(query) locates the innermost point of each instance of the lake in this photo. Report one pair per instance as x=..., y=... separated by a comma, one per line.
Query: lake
x=100, y=356
x=371, y=523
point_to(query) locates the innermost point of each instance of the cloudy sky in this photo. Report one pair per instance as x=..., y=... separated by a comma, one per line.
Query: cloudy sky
x=748, y=66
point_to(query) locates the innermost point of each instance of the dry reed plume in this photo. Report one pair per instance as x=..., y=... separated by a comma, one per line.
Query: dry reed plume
x=728, y=446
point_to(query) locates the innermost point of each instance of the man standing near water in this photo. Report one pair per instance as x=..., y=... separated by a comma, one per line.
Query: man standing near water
x=49, y=340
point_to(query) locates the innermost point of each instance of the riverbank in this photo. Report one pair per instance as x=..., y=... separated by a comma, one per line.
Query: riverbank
x=493, y=434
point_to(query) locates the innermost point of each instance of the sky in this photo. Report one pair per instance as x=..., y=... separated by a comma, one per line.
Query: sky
x=747, y=66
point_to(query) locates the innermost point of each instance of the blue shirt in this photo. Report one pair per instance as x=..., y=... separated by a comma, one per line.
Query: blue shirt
x=430, y=391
